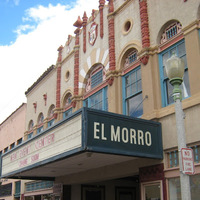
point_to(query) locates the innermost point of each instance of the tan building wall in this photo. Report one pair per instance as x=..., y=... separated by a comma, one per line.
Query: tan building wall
x=11, y=130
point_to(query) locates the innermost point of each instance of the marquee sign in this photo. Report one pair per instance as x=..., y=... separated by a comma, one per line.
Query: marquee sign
x=111, y=133
x=86, y=130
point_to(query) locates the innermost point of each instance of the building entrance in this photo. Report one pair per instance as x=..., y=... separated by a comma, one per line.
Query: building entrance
x=120, y=189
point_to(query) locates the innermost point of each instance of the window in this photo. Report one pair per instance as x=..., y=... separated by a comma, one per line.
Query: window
x=175, y=188
x=96, y=77
x=98, y=100
x=166, y=88
x=152, y=190
x=130, y=58
x=6, y=149
x=67, y=113
x=172, y=30
x=40, y=123
x=12, y=145
x=30, y=125
x=67, y=105
x=38, y=185
x=173, y=159
x=132, y=93
x=17, y=189
x=51, y=119
x=6, y=190
x=30, y=135
x=19, y=141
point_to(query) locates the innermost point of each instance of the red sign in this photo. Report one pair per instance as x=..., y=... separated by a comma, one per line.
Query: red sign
x=187, y=161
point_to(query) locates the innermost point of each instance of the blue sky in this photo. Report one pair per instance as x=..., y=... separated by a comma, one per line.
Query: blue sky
x=13, y=13
x=30, y=33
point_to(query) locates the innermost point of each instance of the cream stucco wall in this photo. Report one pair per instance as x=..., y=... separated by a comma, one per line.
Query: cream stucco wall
x=46, y=86
x=161, y=12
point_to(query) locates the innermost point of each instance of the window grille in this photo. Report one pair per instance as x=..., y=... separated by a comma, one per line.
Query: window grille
x=173, y=157
x=131, y=58
x=171, y=31
x=97, y=78
x=40, y=185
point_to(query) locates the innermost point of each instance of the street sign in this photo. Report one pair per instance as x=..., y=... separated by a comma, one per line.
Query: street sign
x=187, y=161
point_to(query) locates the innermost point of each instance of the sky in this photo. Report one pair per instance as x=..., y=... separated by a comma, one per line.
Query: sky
x=30, y=33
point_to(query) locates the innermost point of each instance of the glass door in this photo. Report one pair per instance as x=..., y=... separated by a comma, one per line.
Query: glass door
x=152, y=191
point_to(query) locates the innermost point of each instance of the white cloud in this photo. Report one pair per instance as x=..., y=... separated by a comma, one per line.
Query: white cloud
x=32, y=53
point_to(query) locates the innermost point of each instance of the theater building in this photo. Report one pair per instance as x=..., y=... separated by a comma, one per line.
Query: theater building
x=100, y=123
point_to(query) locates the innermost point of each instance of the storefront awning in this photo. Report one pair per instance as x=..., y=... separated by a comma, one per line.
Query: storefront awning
x=88, y=139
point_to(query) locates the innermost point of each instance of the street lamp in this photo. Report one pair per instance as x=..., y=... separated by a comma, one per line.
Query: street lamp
x=175, y=71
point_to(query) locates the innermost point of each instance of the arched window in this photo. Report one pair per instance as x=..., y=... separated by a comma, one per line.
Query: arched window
x=40, y=123
x=130, y=57
x=30, y=125
x=99, y=99
x=67, y=105
x=96, y=77
x=51, y=115
x=30, y=129
x=178, y=48
x=172, y=30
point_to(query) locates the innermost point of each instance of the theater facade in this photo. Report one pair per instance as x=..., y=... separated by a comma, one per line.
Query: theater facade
x=100, y=123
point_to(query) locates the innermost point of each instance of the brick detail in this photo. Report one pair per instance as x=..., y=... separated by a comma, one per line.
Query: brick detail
x=144, y=23
x=154, y=173
x=85, y=18
x=111, y=37
x=77, y=24
x=58, y=83
x=101, y=6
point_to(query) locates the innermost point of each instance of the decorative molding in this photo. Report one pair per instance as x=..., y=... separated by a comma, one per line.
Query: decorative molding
x=58, y=86
x=152, y=173
x=101, y=6
x=110, y=80
x=115, y=12
x=144, y=23
x=60, y=54
x=194, y=25
x=35, y=106
x=172, y=30
x=45, y=99
x=77, y=24
x=93, y=33
x=111, y=36
x=85, y=18
x=144, y=59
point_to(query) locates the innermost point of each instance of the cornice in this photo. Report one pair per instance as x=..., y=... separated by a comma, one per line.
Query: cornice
x=119, y=9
